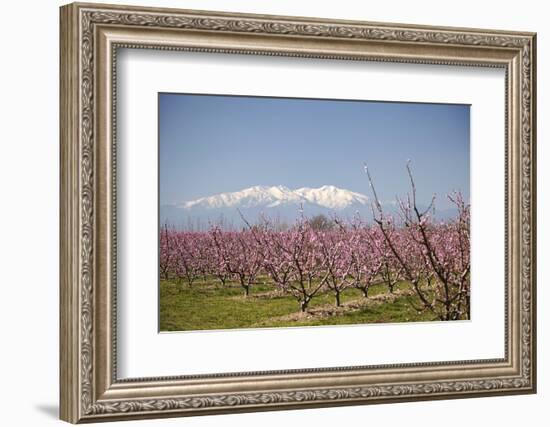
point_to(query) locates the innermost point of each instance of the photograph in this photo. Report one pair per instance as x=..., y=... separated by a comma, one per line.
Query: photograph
x=297, y=212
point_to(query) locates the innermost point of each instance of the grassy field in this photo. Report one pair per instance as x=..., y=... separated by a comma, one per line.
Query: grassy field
x=208, y=305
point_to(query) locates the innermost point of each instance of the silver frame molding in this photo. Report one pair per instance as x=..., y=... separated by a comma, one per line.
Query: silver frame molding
x=90, y=37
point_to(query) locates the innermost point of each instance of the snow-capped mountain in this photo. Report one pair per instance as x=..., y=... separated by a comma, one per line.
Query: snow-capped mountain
x=332, y=197
x=247, y=198
x=278, y=202
x=326, y=196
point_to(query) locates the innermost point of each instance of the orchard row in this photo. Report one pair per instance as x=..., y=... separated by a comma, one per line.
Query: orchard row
x=306, y=260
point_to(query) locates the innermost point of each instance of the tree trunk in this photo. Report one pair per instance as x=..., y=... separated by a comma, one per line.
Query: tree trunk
x=337, y=298
x=365, y=292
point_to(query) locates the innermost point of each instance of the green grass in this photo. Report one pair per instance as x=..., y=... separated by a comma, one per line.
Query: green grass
x=207, y=305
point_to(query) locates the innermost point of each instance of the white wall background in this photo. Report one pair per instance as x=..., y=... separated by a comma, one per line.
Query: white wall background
x=29, y=171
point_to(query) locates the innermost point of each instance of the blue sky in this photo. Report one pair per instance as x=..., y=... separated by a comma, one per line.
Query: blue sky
x=213, y=144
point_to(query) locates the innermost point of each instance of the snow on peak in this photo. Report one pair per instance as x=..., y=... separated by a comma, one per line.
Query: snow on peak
x=332, y=197
x=327, y=196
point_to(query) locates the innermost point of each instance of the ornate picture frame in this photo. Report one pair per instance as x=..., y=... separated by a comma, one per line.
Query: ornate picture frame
x=90, y=37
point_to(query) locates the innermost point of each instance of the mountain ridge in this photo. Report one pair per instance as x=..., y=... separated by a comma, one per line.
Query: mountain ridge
x=326, y=196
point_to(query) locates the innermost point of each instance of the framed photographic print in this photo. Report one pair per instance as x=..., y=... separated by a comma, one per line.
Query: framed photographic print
x=265, y=212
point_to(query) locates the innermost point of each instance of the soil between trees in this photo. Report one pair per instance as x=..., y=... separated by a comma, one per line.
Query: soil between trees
x=208, y=305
